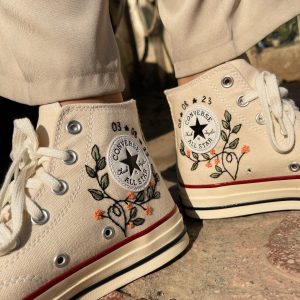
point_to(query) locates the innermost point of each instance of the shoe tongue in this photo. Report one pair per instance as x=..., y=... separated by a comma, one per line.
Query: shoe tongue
x=246, y=70
x=48, y=118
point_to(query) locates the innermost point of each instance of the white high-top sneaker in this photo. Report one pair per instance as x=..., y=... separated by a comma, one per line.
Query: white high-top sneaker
x=238, y=143
x=84, y=210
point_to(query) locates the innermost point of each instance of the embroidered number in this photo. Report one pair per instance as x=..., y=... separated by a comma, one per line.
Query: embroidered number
x=116, y=126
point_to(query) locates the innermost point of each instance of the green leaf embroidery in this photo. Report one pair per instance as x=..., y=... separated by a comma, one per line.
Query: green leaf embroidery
x=133, y=213
x=138, y=221
x=234, y=143
x=157, y=195
x=91, y=172
x=101, y=164
x=227, y=116
x=140, y=197
x=194, y=166
x=195, y=155
x=224, y=136
x=182, y=152
x=95, y=153
x=205, y=156
x=225, y=124
x=97, y=195
x=104, y=181
x=215, y=175
x=236, y=128
x=218, y=169
x=149, y=192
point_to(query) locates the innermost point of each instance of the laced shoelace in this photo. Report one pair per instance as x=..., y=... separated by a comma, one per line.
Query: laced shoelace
x=27, y=159
x=275, y=108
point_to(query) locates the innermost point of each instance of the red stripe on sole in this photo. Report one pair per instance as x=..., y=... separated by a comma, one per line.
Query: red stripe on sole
x=85, y=263
x=208, y=186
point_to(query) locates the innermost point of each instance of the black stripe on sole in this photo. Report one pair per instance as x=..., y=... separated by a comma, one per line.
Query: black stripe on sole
x=133, y=266
x=242, y=204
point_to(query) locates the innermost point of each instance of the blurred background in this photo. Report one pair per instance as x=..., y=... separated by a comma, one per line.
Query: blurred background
x=147, y=69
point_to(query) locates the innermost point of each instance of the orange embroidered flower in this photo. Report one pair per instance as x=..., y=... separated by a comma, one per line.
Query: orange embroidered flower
x=98, y=214
x=245, y=149
x=212, y=151
x=129, y=206
x=208, y=165
x=188, y=152
x=217, y=161
x=148, y=211
x=130, y=225
x=131, y=195
x=152, y=183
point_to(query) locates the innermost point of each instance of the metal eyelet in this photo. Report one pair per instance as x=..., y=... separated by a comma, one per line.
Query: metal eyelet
x=74, y=127
x=72, y=157
x=108, y=232
x=294, y=166
x=260, y=119
x=61, y=260
x=43, y=220
x=240, y=101
x=227, y=82
x=63, y=188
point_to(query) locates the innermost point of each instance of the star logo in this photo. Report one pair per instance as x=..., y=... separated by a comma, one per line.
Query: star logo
x=130, y=161
x=198, y=129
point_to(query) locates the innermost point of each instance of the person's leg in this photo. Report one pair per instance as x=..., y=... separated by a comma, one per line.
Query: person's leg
x=237, y=135
x=83, y=209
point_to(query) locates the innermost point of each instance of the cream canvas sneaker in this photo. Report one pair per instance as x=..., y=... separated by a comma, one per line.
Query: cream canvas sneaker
x=238, y=143
x=84, y=210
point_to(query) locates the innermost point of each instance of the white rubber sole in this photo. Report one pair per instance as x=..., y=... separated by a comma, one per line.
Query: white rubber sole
x=240, y=200
x=133, y=260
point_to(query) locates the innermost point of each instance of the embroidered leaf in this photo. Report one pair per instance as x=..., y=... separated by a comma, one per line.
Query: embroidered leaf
x=218, y=169
x=194, y=166
x=224, y=136
x=157, y=195
x=140, y=197
x=149, y=192
x=181, y=145
x=236, y=128
x=91, y=172
x=234, y=143
x=195, y=155
x=104, y=182
x=156, y=177
x=138, y=221
x=133, y=213
x=116, y=210
x=182, y=152
x=205, y=155
x=101, y=164
x=215, y=175
x=225, y=124
x=95, y=153
x=97, y=195
x=227, y=116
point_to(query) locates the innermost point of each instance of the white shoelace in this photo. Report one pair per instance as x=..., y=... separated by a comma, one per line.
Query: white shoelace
x=275, y=107
x=27, y=158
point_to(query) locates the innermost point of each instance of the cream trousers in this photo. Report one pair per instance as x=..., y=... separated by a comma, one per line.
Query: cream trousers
x=55, y=50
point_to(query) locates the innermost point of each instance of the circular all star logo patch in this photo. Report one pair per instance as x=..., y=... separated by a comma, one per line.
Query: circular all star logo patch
x=200, y=129
x=128, y=163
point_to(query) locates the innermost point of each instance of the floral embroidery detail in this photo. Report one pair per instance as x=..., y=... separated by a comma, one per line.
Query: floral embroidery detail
x=227, y=156
x=124, y=213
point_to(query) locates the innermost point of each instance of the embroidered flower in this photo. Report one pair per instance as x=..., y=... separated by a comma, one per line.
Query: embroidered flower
x=188, y=152
x=98, y=214
x=129, y=206
x=148, y=211
x=212, y=151
x=217, y=161
x=208, y=165
x=245, y=149
x=152, y=183
x=130, y=225
x=131, y=195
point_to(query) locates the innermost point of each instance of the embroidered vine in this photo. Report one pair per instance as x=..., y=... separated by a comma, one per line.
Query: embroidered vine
x=227, y=160
x=124, y=213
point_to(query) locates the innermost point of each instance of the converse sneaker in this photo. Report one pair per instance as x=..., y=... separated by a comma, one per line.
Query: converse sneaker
x=84, y=210
x=238, y=143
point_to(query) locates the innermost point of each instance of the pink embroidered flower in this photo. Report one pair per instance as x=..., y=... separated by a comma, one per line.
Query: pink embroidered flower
x=98, y=214
x=212, y=151
x=217, y=161
x=188, y=152
x=129, y=206
x=131, y=195
x=245, y=149
x=152, y=183
x=208, y=165
x=130, y=225
x=148, y=211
